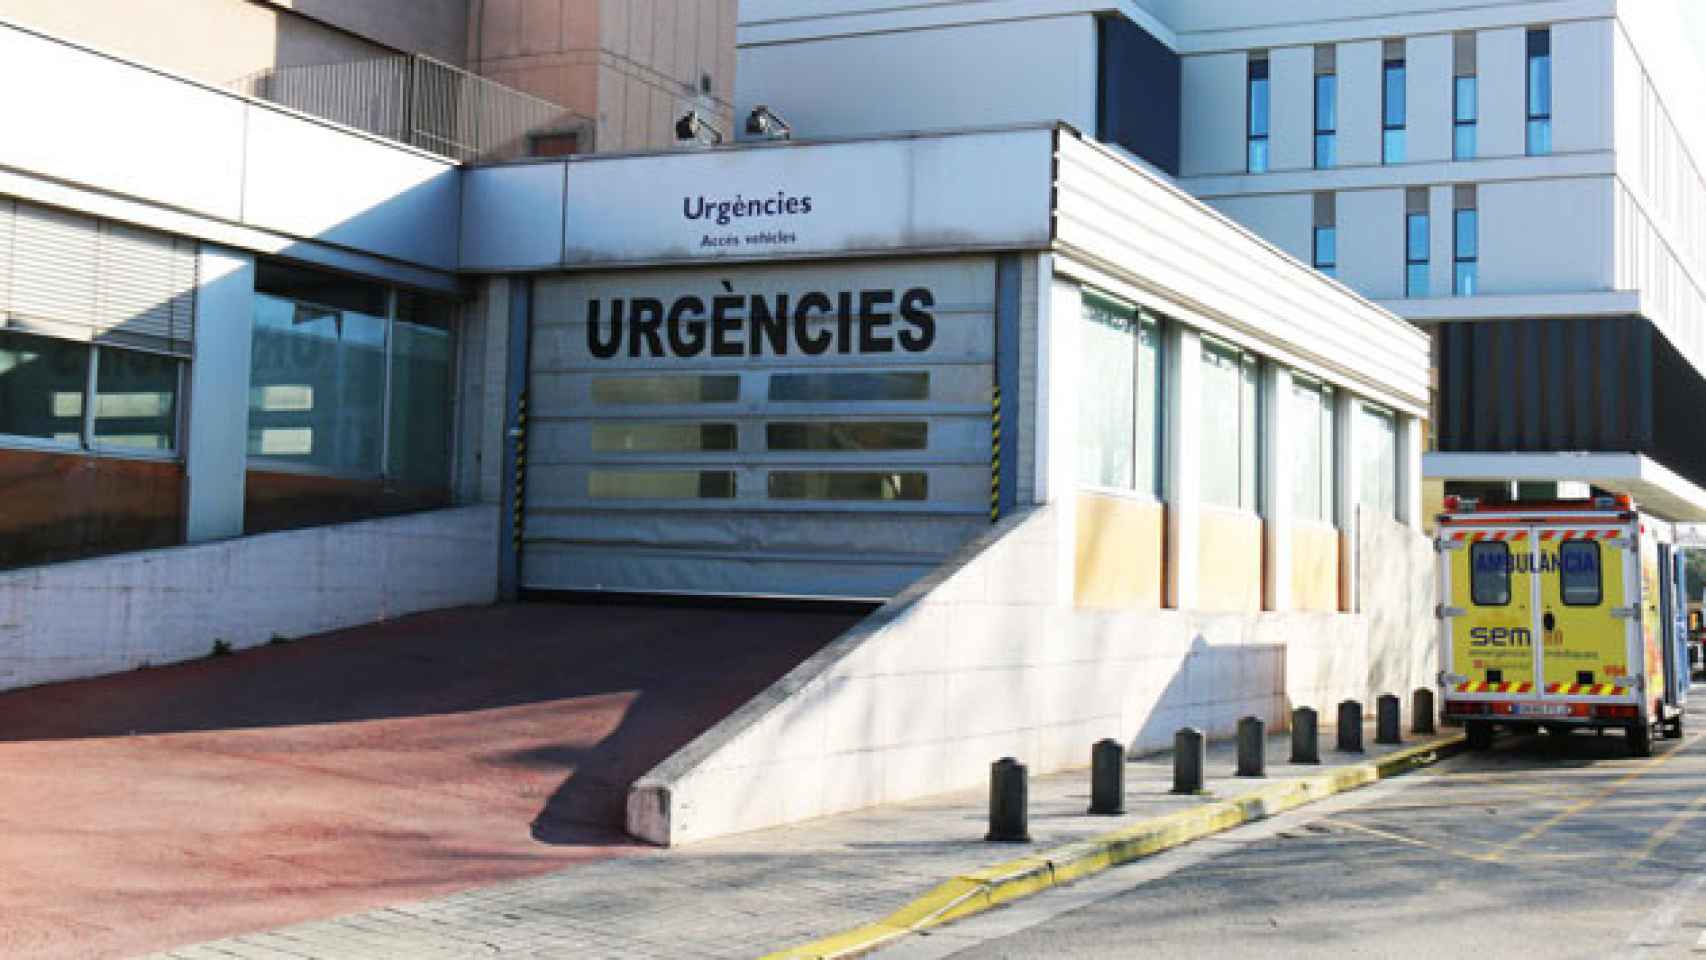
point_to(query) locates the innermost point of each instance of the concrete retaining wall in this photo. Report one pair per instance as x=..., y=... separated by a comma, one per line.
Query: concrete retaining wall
x=73, y=620
x=988, y=657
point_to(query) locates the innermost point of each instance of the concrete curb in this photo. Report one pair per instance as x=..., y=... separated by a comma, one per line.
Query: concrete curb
x=977, y=891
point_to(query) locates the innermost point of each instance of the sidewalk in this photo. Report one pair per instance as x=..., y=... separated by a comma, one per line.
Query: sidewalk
x=746, y=896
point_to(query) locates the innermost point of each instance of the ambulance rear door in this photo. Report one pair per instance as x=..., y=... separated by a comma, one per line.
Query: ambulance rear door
x=1588, y=634
x=1489, y=605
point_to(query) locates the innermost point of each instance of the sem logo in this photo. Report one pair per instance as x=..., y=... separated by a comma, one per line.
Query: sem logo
x=1500, y=637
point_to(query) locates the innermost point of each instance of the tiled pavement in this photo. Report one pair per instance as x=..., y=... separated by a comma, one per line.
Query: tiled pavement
x=744, y=896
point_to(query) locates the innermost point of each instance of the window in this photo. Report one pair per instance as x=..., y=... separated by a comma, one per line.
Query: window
x=1465, y=106
x=1490, y=573
x=665, y=390
x=1394, y=109
x=881, y=387
x=1539, y=92
x=46, y=383
x=1465, y=244
x=1229, y=428
x=1119, y=385
x=838, y=485
x=660, y=485
x=1326, y=117
x=1326, y=242
x=648, y=437
x=350, y=378
x=1313, y=457
x=1257, y=110
x=1377, y=460
x=845, y=437
x=1578, y=573
x=1416, y=244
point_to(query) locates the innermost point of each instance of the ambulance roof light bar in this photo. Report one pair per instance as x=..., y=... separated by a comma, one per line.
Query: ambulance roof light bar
x=1456, y=504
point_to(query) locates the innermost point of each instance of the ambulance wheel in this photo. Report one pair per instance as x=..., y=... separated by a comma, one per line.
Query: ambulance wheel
x=1479, y=734
x=1641, y=740
x=1673, y=728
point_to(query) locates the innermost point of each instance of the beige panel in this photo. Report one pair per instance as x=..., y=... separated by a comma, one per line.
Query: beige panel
x=1315, y=567
x=1119, y=553
x=541, y=27
x=1230, y=561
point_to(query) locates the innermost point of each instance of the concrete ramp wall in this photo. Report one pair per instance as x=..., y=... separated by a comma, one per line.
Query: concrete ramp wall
x=74, y=620
x=988, y=657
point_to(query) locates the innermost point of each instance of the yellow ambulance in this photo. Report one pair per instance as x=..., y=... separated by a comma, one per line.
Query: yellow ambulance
x=1560, y=615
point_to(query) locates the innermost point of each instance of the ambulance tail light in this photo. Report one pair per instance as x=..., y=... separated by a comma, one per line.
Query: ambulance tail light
x=1467, y=708
x=1458, y=504
x=1616, y=711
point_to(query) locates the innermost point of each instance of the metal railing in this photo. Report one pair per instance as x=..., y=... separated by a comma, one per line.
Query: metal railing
x=419, y=101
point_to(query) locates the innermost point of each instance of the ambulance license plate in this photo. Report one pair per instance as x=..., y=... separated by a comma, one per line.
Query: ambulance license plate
x=1542, y=709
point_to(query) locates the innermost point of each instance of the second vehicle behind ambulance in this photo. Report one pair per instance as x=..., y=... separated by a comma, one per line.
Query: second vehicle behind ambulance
x=1560, y=615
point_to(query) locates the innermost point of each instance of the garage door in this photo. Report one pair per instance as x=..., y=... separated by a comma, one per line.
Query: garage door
x=778, y=430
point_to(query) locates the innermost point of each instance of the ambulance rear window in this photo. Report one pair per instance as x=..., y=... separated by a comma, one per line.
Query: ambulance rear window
x=1490, y=573
x=1578, y=573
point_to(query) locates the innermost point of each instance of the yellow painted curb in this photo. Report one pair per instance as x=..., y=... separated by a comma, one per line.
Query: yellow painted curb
x=974, y=892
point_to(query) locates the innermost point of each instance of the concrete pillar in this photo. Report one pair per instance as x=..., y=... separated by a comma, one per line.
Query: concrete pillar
x=216, y=443
x=1060, y=322
x=1278, y=439
x=1441, y=236
x=1410, y=448
x=1183, y=469
x=1347, y=410
x=482, y=372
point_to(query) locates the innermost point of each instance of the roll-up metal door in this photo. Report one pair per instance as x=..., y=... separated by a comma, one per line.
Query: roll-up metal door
x=81, y=278
x=818, y=430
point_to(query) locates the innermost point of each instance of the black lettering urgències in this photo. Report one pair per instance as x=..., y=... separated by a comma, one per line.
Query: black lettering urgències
x=733, y=325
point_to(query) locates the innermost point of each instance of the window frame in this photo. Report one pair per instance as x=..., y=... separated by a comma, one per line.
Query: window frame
x=87, y=443
x=1458, y=260
x=1327, y=136
x=1498, y=546
x=1255, y=478
x=1150, y=488
x=1461, y=124
x=1538, y=115
x=1598, y=573
x=1411, y=261
x=1329, y=267
x=1394, y=75
x=1255, y=66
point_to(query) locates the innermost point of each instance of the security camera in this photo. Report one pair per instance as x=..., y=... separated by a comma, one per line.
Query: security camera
x=762, y=122
x=693, y=128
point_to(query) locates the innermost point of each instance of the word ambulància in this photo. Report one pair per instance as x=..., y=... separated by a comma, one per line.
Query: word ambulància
x=735, y=325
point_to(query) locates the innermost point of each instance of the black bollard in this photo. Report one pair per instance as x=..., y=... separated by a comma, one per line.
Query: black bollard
x=1422, y=711
x=1008, y=816
x=1305, y=736
x=1386, y=720
x=1350, y=726
x=1107, y=778
x=1252, y=747
x=1190, y=757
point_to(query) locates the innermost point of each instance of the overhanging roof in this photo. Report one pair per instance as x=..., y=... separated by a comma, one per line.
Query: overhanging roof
x=1656, y=488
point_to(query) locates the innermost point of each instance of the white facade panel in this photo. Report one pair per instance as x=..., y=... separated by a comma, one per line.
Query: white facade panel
x=963, y=192
x=1291, y=72
x=314, y=181
x=1441, y=252
x=981, y=74
x=1359, y=103
x=1285, y=220
x=1501, y=61
x=1582, y=78
x=84, y=118
x=1429, y=90
x=216, y=449
x=1371, y=242
x=512, y=216
x=1546, y=236
x=1214, y=136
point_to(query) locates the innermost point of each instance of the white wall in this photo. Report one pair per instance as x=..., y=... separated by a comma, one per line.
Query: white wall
x=1213, y=133
x=1501, y=59
x=981, y=74
x=72, y=620
x=1291, y=141
x=1582, y=84
x=1286, y=220
x=215, y=450
x=1359, y=103
x=1546, y=236
x=1428, y=62
x=1371, y=242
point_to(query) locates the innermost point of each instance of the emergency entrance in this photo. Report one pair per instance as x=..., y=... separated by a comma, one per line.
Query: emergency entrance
x=805, y=430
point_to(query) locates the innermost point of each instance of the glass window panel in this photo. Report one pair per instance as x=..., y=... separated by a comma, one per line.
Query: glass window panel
x=1249, y=420
x=1539, y=138
x=1326, y=103
x=1540, y=87
x=1147, y=472
x=1466, y=244
x=314, y=286
x=42, y=384
x=1466, y=279
x=847, y=437
x=334, y=359
x=1326, y=151
x=1326, y=246
x=660, y=484
x=1578, y=573
x=419, y=449
x=1377, y=461
x=1490, y=573
x=1465, y=109
x=665, y=390
x=1107, y=391
x=663, y=437
x=1416, y=280
x=136, y=402
x=1416, y=237
x=1463, y=145
x=1259, y=156
x=1221, y=447
x=1259, y=106
x=1308, y=500
x=849, y=387
x=828, y=485
x=1394, y=104
x=1393, y=146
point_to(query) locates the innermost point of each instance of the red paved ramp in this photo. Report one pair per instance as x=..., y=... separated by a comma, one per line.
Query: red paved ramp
x=371, y=766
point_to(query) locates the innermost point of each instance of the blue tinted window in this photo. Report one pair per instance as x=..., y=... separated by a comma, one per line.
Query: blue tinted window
x=1394, y=95
x=1466, y=279
x=1257, y=108
x=1463, y=142
x=1326, y=103
x=1539, y=92
x=1539, y=138
x=1416, y=236
x=1416, y=280
x=1326, y=247
x=1259, y=156
x=1466, y=244
x=1464, y=110
x=1393, y=146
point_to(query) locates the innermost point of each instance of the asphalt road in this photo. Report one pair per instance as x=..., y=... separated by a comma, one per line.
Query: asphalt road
x=1543, y=846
